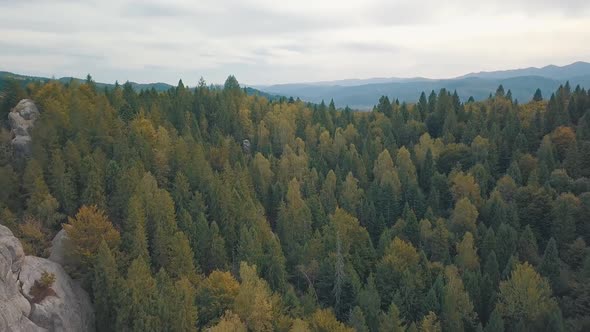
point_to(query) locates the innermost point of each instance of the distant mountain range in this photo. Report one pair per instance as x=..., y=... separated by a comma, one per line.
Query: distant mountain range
x=363, y=93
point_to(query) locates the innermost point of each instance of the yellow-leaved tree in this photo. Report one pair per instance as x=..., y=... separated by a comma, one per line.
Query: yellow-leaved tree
x=85, y=232
x=526, y=296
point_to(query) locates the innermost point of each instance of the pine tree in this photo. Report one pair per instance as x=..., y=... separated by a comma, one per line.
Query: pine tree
x=427, y=171
x=61, y=183
x=538, y=95
x=457, y=308
x=217, y=258
x=506, y=243
x=134, y=238
x=432, y=302
x=492, y=269
x=391, y=321
x=105, y=287
x=411, y=229
x=496, y=323
x=40, y=203
x=500, y=91
x=138, y=309
x=549, y=267
x=488, y=243
x=94, y=189
x=565, y=211
x=555, y=320
x=370, y=302
x=294, y=222
x=181, y=262
x=527, y=246
x=357, y=320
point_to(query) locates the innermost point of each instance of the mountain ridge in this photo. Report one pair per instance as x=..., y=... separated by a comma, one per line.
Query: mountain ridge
x=522, y=82
x=362, y=93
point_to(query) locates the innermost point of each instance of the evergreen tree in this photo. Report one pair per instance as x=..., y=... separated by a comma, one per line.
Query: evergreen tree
x=500, y=91
x=506, y=243
x=357, y=320
x=457, y=308
x=488, y=244
x=527, y=246
x=106, y=289
x=492, y=269
x=391, y=320
x=496, y=323
x=411, y=229
x=370, y=303
x=549, y=267
x=138, y=308
x=538, y=95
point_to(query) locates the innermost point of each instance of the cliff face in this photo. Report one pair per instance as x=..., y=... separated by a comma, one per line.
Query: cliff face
x=69, y=309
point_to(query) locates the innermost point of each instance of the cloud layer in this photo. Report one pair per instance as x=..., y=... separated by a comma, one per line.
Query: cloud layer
x=264, y=41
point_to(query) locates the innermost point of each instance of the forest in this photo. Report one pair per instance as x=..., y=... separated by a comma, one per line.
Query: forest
x=209, y=209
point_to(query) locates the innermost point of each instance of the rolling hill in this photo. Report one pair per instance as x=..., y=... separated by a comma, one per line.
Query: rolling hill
x=23, y=79
x=361, y=94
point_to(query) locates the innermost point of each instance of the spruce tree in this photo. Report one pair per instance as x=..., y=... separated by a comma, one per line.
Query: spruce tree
x=106, y=289
x=538, y=95
x=496, y=323
x=549, y=267
x=357, y=320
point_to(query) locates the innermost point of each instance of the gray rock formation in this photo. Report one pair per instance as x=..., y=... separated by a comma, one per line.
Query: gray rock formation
x=69, y=310
x=14, y=307
x=22, y=119
x=58, y=251
x=246, y=146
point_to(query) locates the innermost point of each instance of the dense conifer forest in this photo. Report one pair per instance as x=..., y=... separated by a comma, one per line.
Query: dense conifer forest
x=210, y=209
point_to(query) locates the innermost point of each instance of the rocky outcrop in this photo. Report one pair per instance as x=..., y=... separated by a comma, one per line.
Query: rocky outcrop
x=69, y=309
x=58, y=248
x=14, y=307
x=22, y=119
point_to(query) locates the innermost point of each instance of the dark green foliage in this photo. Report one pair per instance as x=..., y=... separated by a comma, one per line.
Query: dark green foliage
x=550, y=264
x=496, y=323
x=538, y=95
x=362, y=214
x=106, y=287
x=357, y=320
x=506, y=243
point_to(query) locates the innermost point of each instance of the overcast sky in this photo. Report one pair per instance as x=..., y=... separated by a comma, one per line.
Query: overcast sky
x=270, y=41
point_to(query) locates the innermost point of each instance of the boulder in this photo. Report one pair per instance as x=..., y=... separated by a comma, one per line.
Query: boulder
x=22, y=119
x=68, y=309
x=58, y=251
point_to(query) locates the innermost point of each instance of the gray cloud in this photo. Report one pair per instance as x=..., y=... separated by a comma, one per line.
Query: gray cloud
x=367, y=47
x=261, y=41
x=152, y=10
